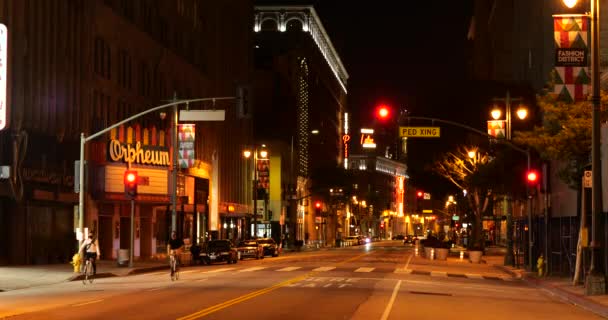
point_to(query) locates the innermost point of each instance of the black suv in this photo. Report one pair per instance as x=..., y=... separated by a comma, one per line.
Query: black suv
x=219, y=250
x=269, y=246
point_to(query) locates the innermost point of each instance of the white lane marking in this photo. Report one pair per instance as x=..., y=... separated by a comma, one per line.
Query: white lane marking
x=290, y=269
x=389, y=306
x=219, y=270
x=364, y=269
x=408, y=261
x=323, y=269
x=473, y=276
x=399, y=270
x=203, y=279
x=438, y=274
x=189, y=271
x=86, y=303
x=252, y=269
x=158, y=273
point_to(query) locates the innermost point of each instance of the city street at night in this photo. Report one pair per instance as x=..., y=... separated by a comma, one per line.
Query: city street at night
x=381, y=280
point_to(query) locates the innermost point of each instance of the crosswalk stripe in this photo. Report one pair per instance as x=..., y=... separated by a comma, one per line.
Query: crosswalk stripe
x=323, y=269
x=364, y=269
x=220, y=270
x=473, y=276
x=290, y=269
x=402, y=270
x=438, y=274
x=252, y=269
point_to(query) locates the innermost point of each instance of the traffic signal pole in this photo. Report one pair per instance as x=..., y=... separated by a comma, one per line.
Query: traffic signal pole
x=84, y=140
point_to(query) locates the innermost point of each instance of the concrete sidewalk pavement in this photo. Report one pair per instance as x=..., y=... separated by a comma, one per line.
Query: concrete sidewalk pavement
x=21, y=277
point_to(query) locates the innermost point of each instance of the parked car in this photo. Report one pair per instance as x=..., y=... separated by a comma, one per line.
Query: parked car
x=353, y=239
x=408, y=239
x=250, y=249
x=219, y=251
x=399, y=237
x=269, y=247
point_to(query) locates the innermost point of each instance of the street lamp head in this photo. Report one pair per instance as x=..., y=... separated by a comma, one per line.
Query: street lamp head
x=472, y=154
x=570, y=3
x=264, y=154
x=247, y=153
x=496, y=113
x=522, y=113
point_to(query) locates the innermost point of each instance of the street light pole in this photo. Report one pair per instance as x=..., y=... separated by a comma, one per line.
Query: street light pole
x=595, y=280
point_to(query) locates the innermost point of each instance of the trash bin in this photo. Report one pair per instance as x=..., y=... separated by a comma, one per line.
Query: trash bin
x=123, y=257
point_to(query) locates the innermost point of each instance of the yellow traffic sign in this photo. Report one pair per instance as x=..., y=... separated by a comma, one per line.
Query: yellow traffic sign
x=419, y=132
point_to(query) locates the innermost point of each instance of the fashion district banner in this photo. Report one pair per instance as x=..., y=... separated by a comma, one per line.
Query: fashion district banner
x=186, y=134
x=572, y=77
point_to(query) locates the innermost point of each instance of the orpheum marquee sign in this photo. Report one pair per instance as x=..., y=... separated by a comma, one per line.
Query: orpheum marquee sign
x=138, y=154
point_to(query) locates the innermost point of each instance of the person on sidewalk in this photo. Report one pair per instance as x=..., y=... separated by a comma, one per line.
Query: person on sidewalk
x=90, y=247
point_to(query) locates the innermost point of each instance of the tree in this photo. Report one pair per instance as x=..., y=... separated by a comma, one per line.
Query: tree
x=483, y=176
x=565, y=136
x=463, y=171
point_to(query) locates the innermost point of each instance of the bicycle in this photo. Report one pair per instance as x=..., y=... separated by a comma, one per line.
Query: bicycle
x=87, y=272
x=173, y=266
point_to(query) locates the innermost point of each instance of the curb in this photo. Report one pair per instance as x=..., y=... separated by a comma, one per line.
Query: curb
x=512, y=273
x=78, y=277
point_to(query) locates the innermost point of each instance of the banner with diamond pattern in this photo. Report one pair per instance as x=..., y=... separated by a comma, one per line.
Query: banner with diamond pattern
x=186, y=134
x=572, y=83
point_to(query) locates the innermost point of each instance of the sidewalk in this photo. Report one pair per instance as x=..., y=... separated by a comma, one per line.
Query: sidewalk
x=20, y=277
x=558, y=286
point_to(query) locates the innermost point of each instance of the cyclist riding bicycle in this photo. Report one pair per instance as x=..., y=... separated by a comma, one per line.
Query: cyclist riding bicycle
x=90, y=247
x=175, y=246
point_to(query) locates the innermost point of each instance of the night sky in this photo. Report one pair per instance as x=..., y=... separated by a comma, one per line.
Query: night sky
x=410, y=56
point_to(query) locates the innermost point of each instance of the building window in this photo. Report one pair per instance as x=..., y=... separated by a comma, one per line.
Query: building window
x=128, y=9
x=124, y=69
x=101, y=58
x=144, y=80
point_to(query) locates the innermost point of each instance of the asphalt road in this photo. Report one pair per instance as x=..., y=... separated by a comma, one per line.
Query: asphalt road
x=363, y=282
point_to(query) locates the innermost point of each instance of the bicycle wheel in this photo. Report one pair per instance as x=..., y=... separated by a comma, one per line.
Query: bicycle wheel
x=173, y=269
x=85, y=272
x=89, y=272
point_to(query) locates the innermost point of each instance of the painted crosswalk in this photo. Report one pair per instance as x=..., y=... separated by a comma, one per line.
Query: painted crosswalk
x=363, y=269
x=287, y=269
x=323, y=269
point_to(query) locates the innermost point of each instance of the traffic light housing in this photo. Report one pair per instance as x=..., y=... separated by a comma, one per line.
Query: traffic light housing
x=318, y=206
x=383, y=112
x=130, y=184
x=532, y=177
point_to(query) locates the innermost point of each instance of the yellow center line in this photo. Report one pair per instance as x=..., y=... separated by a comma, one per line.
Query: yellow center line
x=86, y=303
x=225, y=304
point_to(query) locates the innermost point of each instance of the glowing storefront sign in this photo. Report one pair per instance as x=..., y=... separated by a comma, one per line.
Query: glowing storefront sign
x=138, y=154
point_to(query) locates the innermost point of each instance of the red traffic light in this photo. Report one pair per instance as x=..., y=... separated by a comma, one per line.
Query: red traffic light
x=383, y=112
x=130, y=177
x=419, y=194
x=532, y=176
x=130, y=184
x=318, y=205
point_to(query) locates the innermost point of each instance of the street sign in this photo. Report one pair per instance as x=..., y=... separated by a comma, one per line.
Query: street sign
x=419, y=132
x=202, y=115
x=587, y=179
